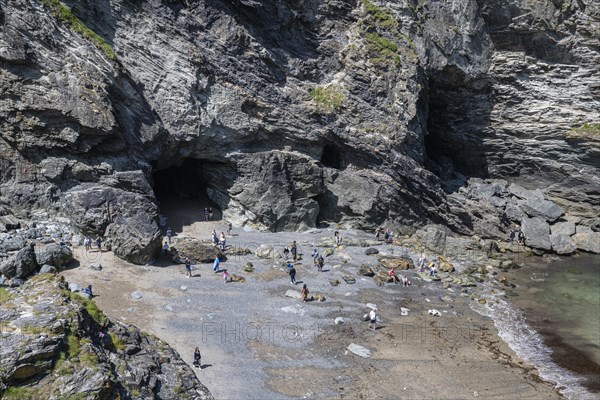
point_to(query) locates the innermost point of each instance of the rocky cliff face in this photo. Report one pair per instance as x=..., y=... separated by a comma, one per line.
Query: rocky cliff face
x=289, y=114
x=56, y=344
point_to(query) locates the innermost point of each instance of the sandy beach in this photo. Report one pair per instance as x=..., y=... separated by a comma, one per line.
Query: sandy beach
x=258, y=343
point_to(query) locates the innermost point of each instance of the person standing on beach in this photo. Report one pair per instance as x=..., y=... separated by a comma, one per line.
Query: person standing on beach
x=99, y=243
x=378, y=233
x=294, y=250
x=188, y=267
x=206, y=214
x=216, y=264
x=215, y=239
x=422, y=263
x=320, y=263
x=304, y=293
x=229, y=229
x=338, y=238
x=373, y=319
x=292, y=273
x=286, y=253
x=315, y=256
x=169, y=234
x=197, y=358
x=222, y=241
x=210, y=213
x=166, y=248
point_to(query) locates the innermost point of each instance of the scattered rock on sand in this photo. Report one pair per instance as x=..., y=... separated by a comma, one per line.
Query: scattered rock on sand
x=434, y=312
x=371, y=251
x=96, y=266
x=294, y=294
x=404, y=311
x=562, y=244
x=396, y=262
x=267, y=251
x=135, y=295
x=318, y=297
x=334, y=282
x=359, y=350
x=349, y=279
x=339, y=320
x=365, y=270
x=371, y=306
x=47, y=269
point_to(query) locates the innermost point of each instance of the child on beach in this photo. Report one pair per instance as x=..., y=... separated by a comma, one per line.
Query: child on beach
x=304, y=293
x=392, y=275
x=188, y=267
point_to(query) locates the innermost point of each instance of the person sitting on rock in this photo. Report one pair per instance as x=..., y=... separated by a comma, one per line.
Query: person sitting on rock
x=304, y=293
x=392, y=274
x=87, y=290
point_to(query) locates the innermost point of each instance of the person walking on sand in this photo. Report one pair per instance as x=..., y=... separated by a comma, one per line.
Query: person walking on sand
x=315, y=256
x=422, y=263
x=292, y=273
x=215, y=238
x=188, y=267
x=320, y=263
x=197, y=358
x=166, y=248
x=304, y=293
x=99, y=243
x=226, y=276
x=378, y=233
x=206, y=214
x=229, y=229
x=216, y=264
x=338, y=238
x=222, y=241
x=373, y=319
x=210, y=213
x=294, y=250
x=87, y=242
x=169, y=234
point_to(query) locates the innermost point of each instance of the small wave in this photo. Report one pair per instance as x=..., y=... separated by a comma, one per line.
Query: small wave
x=528, y=345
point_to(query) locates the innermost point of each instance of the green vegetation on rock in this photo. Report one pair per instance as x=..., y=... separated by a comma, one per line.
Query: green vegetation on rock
x=382, y=35
x=588, y=129
x=65, y=15
x=326, y=98
x=89, y=305
x=4, y=295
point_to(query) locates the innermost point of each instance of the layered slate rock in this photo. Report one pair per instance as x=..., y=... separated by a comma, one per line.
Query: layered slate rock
x=537, y=233
x=294, y=116
x=58, y=342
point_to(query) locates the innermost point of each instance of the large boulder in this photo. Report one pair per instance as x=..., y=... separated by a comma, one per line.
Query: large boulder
x=267, y=251
x=433, y=237
x=365, y=270
x=562, y=244
x=546, y=209
x=55, y=255
x=19, y=265
x=514, y=213
x=522, y=193
x=11, y=242
x=9, y=222
x=396, y=262
x=537, y=232
x=563, y=228
x=196, y=250
x=589, y=241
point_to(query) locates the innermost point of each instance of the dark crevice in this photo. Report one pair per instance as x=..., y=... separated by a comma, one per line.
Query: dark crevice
x=331, y=157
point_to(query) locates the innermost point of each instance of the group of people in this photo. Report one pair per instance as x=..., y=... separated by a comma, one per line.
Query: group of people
x=87, y=243
x=220, y=240
x=518, y=235
x=386, y=232
x=422, y=265
x=403, y=279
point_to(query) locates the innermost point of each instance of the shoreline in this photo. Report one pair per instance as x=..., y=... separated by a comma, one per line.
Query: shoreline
x=301, y=352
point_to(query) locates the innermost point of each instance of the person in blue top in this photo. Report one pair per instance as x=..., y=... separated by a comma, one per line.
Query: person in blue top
x=216, y=264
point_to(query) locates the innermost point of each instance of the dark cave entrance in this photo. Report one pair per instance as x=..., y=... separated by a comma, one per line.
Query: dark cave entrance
x=459, y=110
x=181, y=192
x=331, y=157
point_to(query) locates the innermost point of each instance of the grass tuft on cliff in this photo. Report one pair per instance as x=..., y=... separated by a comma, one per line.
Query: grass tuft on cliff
x=65, y=15
x=586, y=132
x=326, y=98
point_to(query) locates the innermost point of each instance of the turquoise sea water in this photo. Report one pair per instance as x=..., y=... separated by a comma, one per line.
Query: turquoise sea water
x=554, y=321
